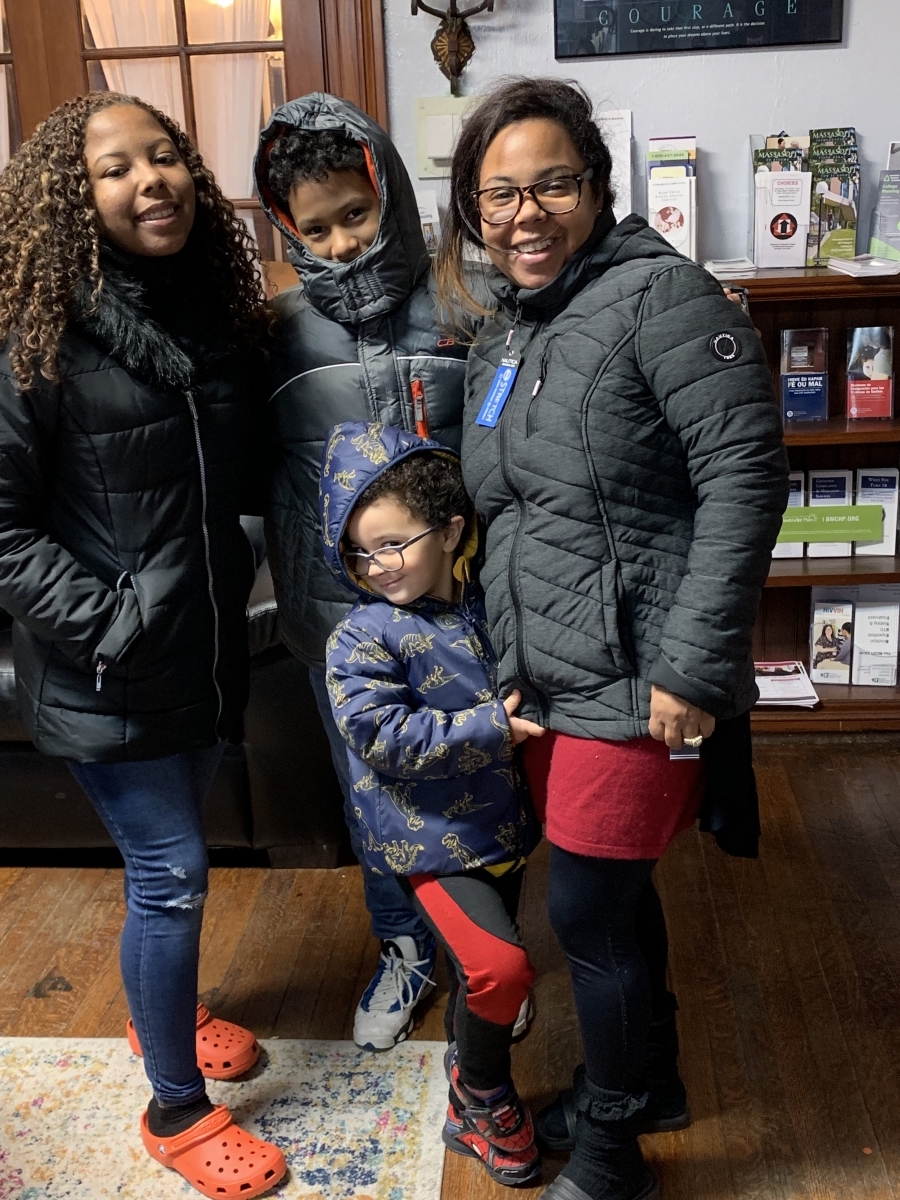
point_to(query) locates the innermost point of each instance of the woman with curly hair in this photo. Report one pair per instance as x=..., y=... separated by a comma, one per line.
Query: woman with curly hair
x=130, y=310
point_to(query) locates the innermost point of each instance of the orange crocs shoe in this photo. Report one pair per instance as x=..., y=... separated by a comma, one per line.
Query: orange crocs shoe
x=217, y=1157
x=224, y=1050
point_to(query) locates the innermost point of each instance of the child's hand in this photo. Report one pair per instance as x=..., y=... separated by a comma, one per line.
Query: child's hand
x=518, y=726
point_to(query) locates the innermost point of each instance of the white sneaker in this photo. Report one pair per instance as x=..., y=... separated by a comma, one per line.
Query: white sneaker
x=384, y=1015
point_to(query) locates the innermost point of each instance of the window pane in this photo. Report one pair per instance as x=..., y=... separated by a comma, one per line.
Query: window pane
x=156, y=80
x=233, y=97
x=129, y=23
x=232, y=20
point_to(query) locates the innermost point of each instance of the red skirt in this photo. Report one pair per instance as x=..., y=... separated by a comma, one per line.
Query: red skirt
x=611, y=799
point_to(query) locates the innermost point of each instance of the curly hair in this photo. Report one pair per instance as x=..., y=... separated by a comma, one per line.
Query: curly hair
x=304, y=155
x=513, y=99
x=429, y=484
x=50, y=238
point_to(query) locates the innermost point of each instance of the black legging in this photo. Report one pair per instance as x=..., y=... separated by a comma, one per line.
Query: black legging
x=609, y=921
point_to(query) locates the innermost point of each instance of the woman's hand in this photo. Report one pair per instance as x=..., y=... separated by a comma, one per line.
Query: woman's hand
x=518, y=726
x=673, y=719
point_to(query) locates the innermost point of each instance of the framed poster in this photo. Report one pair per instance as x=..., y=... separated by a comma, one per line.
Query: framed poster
x=588, y=28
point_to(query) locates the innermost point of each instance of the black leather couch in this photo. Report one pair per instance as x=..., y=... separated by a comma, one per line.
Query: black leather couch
x=276, y=792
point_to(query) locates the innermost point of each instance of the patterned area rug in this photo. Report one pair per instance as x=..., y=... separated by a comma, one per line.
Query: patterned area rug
x=351, y=1124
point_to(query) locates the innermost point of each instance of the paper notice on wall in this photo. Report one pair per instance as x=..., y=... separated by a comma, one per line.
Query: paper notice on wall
x=615, y=125
x=430, y=219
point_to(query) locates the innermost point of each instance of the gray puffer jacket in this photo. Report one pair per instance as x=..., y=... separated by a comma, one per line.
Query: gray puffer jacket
x=355, y=342
x=633, y=487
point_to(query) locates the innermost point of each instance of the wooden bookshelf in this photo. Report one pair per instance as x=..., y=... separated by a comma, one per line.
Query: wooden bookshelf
x=818, y=572
x=803, y=299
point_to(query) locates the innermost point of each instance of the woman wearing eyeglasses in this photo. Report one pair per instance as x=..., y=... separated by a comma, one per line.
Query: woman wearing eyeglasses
x=622, y=444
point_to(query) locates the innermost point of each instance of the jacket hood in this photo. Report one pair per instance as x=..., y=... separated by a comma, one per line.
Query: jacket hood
x=608, y=245
x=381, y=278
x=356, y=453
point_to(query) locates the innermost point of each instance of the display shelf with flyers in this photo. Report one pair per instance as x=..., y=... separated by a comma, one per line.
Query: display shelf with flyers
x=804, y=298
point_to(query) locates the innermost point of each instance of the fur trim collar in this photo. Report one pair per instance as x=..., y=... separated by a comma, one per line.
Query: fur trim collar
x=121, y=325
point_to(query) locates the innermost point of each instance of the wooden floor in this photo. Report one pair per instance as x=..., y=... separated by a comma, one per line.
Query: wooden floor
x=787, y=971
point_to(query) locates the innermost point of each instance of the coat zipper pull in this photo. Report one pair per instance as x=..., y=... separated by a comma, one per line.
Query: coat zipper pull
x=417, y=387
x=101, y=667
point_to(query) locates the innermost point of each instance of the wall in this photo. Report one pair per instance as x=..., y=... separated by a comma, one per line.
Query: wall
x=721, y=97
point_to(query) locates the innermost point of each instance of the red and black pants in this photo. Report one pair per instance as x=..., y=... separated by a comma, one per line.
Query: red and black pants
x=473, y=916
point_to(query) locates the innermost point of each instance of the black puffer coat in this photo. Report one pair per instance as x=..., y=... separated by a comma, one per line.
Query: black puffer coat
x=355, y=341
x=121, y=556
x=633, y=487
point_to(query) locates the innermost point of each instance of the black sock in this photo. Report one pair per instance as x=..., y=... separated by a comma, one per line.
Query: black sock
x=166, y=1120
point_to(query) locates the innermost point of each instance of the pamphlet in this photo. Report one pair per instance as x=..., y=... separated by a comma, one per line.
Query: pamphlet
x=875, y=631
x=884, y=240
x=830, y=487
x=781, y=217
x=879, y=485
x=430, y=220
x=831, y=639
x=796, y=499
x=778, y=160
x=672, y=191
x=785, y=684
x=870, y=371
x=804, y=374
x=833, y=212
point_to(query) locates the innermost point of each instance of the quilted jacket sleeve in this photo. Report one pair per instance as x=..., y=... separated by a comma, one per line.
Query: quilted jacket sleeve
x=41, y=584
x=377, y=715
x=721, y=407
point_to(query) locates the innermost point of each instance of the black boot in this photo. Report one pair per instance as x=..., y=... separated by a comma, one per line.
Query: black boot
x=666, y=1109
x=606, y=1163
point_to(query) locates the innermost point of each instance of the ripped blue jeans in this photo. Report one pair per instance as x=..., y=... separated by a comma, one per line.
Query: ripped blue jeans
x=153, y=811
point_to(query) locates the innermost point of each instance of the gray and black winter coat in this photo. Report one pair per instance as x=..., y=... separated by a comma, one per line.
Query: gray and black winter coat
x=122, y=560
x=633, y=487
x=357, y=341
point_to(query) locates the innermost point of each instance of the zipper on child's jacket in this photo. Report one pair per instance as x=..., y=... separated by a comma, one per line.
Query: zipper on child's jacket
x=420, y=413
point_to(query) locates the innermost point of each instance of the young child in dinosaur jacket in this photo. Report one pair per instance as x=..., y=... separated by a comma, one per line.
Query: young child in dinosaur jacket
x=412, y=681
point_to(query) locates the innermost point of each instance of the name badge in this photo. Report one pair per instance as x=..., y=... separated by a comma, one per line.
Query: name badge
x=499, y=392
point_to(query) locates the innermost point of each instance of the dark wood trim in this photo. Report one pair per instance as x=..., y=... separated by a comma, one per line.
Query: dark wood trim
x=839, y=431
x=328, y=45
x=304, y=42
x=187, y=83
x=45, y=38
x=843, y=708
x=814, y=283
x=836, y=572
x=112, y=52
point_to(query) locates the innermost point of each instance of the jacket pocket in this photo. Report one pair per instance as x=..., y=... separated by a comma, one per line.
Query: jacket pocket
x=615, y=618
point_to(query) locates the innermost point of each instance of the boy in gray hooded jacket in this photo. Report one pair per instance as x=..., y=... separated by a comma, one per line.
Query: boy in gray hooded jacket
x=358, y=340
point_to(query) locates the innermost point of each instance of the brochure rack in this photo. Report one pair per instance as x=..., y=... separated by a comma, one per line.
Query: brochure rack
x=798, y=298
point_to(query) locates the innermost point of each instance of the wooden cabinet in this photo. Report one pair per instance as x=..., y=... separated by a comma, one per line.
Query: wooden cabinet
x=803, y=299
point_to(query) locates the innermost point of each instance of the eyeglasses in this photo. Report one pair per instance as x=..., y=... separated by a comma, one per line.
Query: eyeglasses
x=388, y=558
x=500, y=205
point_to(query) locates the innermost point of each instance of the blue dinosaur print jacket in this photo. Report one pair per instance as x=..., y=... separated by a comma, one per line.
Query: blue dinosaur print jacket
x=414, y=693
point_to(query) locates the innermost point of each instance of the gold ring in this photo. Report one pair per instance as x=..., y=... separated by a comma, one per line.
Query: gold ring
x=694, y=742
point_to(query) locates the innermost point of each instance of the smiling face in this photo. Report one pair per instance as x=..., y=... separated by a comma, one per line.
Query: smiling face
x=144, y=193
x=337, y=218
x=427, y=565
x=534, y=247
